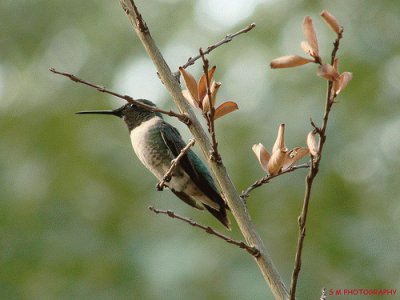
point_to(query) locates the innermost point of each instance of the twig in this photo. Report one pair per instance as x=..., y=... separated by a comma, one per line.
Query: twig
x=252, y=250
x=245, y=194
x=127, y=98
x=315, y=161
x=174, y=165
x=210, y=116
x=238, y=208
x=227, y=39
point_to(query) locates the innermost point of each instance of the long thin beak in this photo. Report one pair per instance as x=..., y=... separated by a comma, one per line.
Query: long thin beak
x=115, y=112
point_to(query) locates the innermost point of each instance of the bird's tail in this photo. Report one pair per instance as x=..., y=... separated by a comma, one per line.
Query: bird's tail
x=220, y=214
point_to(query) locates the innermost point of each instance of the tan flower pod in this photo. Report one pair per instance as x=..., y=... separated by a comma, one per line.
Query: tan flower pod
x=344, y=79
x=262, y=155
x=310, y=35
x=280, y=140
x=224, y=109
x=276, y=161
x=294, y=155
x=203, y=83
x=214, y=90
x=191, y=84
x=331, y=21
x=328, y=72
x=306, y=47
x=312, y=143
x=289, y=61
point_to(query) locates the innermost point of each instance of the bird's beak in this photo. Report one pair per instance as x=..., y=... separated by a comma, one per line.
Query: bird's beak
x=115, y=112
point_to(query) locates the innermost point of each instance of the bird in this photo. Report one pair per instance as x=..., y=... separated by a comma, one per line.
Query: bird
x=156, y=143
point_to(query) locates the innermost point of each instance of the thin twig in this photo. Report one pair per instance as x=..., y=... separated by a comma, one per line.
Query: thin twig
x=252, y=250
x=210, y=116
x=315, y=162
x=266, y=179
x=174, y=165
x=127, y=98
x=227, y=39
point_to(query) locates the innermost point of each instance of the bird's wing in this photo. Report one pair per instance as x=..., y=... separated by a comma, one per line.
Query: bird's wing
x=193, y=166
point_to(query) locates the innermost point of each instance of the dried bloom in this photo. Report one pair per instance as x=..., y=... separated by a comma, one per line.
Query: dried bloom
x=344, y=79
x=312, y=143
x=280, y=140
x=276, y=161
x=294, y=155
x=311, y=36
x=262, y=155
x=191, y=86
x=224, y=109
x=197, y=95
x=331, y=21
x=281, y=158
x=328, y=72
x=289, y=61
x=213, y=90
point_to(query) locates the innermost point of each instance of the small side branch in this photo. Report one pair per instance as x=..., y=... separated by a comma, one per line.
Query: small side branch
x=174, y=164
x=227, y=39
x=209, y=116
x=127, y=98
x=266, y=179
x=315, y=161
x=252, y=250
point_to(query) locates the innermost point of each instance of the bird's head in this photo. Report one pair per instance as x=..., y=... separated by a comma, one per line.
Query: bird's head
x=133, y=114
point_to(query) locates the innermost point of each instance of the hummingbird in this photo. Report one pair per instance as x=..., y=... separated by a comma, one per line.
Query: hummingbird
x=156, y=143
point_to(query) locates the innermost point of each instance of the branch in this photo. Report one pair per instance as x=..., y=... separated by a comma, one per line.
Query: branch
x=127, y=98
x=174, y=165
x=252, y=250
x=236, y=205
x=227, y=39
x=315, y=162
x=210, y=116
x=266, y=179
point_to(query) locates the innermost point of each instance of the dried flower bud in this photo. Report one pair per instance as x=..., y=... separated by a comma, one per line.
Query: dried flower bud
x=344, y=79
x=294, y=155
x=289, y=61
x=280, y=140
x=224, y=109
x=328, y=72
x=203, y=83
x=331, y=21
x=310, y=35
x=262, y=155
x=214, y=90
x=312, y=143
x=276, y=161
x=191, y=84
x=306, y=47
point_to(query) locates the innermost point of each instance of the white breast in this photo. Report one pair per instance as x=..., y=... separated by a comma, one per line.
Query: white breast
x=143, y=150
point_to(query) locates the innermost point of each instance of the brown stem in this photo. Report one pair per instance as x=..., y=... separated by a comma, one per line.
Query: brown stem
x=210, y=116
x=252, y=250
x=315, y=162
x=127, y=98
x=266, y=179
x=227, y=39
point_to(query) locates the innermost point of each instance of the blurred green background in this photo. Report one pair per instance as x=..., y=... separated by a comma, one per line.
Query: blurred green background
x=74, y=222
